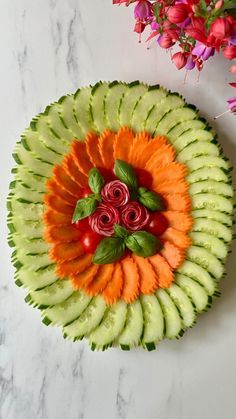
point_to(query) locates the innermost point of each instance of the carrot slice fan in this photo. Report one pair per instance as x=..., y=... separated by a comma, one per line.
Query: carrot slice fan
x=177, y=237
x=179, y=220
x=62, y=252
x=114, y=287
x=81, y=157
x=53, y=218
x=178, y=202
x=53, y=187
x=57, y=204
x=83, y=279
x=74, y=171
x=161, y=157
x=131, y=279
x=172, y=187
x=74, y=266
x=92, y=149
x=123, y=141
x=163, y=270
x=101, y=279
x=139, y=146
x=147, y=275
x=106, y=144
x=173, y=254
x=172, y=172
x=61, y=234
x=65, y=181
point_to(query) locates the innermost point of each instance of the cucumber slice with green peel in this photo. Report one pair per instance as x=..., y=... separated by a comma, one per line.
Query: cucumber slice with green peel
x=170, y=102
x=22, y=193
x=153, y=324
x=216, y=246
x=130, y=101
x=29, y=229
x=30, y=179
x=206, y=260
x=31, y=142
x=110, y=327
x=65, y=312
x=31, y=261
x=207, y=173
x=198, y=148
x=150, y=99
x=29, y=246
x=82, y=111
x=67, y=114
x=191, y=136
x=51, y=295
x=48, y=136
x=169, y=119
x=211, y=186
x=31, y=211
x=207, y=161
x=36, y=280
x=173, y=322
x=112, y=104
x=97, y=105
x=131, y=334
x=194, y=271
x=182, y=127
x=194, y=291
x=57, y=123
x=26, y=158
x=219, y=216
x=213, y=227
x=87, y=321
x=212, y=202
x=183, y=303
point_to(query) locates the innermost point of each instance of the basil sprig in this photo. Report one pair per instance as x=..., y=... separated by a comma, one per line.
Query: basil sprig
x=126, y=174
x=85, y=207
x=121, y=231
x=150, y=199
x=143, y=243
x=109, y=250
x=95, y=180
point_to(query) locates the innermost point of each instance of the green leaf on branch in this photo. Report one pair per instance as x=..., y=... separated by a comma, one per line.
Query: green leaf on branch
x=95, y=180
x=150, y=200
x=143, y=243
x=121, y=231
x=109, y=250
x=85, y=207
x=126, y=174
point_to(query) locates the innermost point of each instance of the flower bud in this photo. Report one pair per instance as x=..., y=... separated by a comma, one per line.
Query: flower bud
x=233, y=69
x=221, y=28
x=143, y=10
x=165, y=41
x=230, y=52
x=177, y=13
x=179, y=60
x=219, y=4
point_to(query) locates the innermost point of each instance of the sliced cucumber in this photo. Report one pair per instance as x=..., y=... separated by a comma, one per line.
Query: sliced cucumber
x=191, y=136
x=194, y=291
x=87, y=321
x=110, y=327
x=57, y=124
x=24, y=194
x=216, y=246
x=29, y=246
x=130, y=101
x=173, y=322
x=51, y=295
x=63, y=313
x=172, y=101
x=36, y=280
x=26, y=158
x=207, y=161
x=31, y=211
x=49, y=137
x=112, y=104
x=211, y=186
x=82, y=112
x=182, y=127
x=183, y=303
x=28, y=228
x=67, y=104
x=153, y=331
x=30, y=179
x=31, y=141
x=221, y=217
x=215, y=228
x=169, y=120
x=194, y=271
x=97, y=105
x=211, y=201
x=207, y=173
x=198, y=148
x=206, y=260
x=31, y=261
x=131, y=334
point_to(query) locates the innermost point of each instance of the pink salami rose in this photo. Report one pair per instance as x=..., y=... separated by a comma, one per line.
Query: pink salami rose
x=103, y=219
x=134, y=216
x=115, y=193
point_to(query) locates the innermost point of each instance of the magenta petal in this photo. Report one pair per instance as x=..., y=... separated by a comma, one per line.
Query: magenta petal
x=190, y=63
x=232, y=103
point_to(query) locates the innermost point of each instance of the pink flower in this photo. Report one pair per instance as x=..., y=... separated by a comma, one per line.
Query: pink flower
x=219, y=4
x=221, y=28
x=139, y=27
x=143, y=10
x=115, y=193
x=165, y=41
x=232, y=104
x=197, y=29
x=103, y=219
x=230, y=52
x=202, y=51
x=177, y=13
x=179, y=59
x=134, y=216
x=190, y=64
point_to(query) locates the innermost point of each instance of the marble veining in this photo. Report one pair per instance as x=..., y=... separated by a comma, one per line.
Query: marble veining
x=50, y=48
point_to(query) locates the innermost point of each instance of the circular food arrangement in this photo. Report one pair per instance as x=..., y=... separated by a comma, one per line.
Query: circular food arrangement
x=120, y=215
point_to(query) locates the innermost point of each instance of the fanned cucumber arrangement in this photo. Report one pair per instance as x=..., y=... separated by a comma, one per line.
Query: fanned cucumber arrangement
x=165, y=313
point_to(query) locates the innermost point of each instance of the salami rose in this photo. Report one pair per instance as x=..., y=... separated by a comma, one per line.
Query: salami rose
x=103, y=219
x=134, y=216
x=115, y=193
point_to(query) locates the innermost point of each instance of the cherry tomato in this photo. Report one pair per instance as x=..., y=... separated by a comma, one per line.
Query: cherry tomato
x=158, y=224
x=82, y=225
x=85, y=192
x=144, y=178
x=90, y=240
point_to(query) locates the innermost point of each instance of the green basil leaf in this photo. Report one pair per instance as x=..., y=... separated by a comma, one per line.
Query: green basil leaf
x=121, y=231
x=150, y=200
x=143, y=243
x=85, y=207
x=126, y=174
x=109, y=250
x=95, y=180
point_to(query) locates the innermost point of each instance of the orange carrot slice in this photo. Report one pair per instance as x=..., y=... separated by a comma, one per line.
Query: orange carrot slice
x=173, y=254
x=139, y=146
x=163, y=270
x=54, y=218
x=79, y=152
x=163, y=156
x=114, y=287
x=57, y=204
x=61, y=234
x=123, y=141
x=181, y=186
x=148, y=277
x=101, y=279
x=131, y=279
x=177, y=237
x=74, y=172
x=172, y=173
x=74, y=266
x=106, y=144
x=53, y=187
x=178, y=202
x=92, y=149
x=83, y=279
x=65, y=181
x=160, y=140
x=66, y=251
x=179, y=220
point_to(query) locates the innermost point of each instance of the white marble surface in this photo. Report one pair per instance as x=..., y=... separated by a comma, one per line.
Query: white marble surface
x=49, y=48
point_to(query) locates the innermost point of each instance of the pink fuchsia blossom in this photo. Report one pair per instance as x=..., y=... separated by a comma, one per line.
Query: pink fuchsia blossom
x=232, y=104
x=190, y=64
x=165, y=41
x=230, y=52
x=202, y=51
x=221, y=28
x=143, y=10
x=179, y=59
x=139, y=27
x=177, y=13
